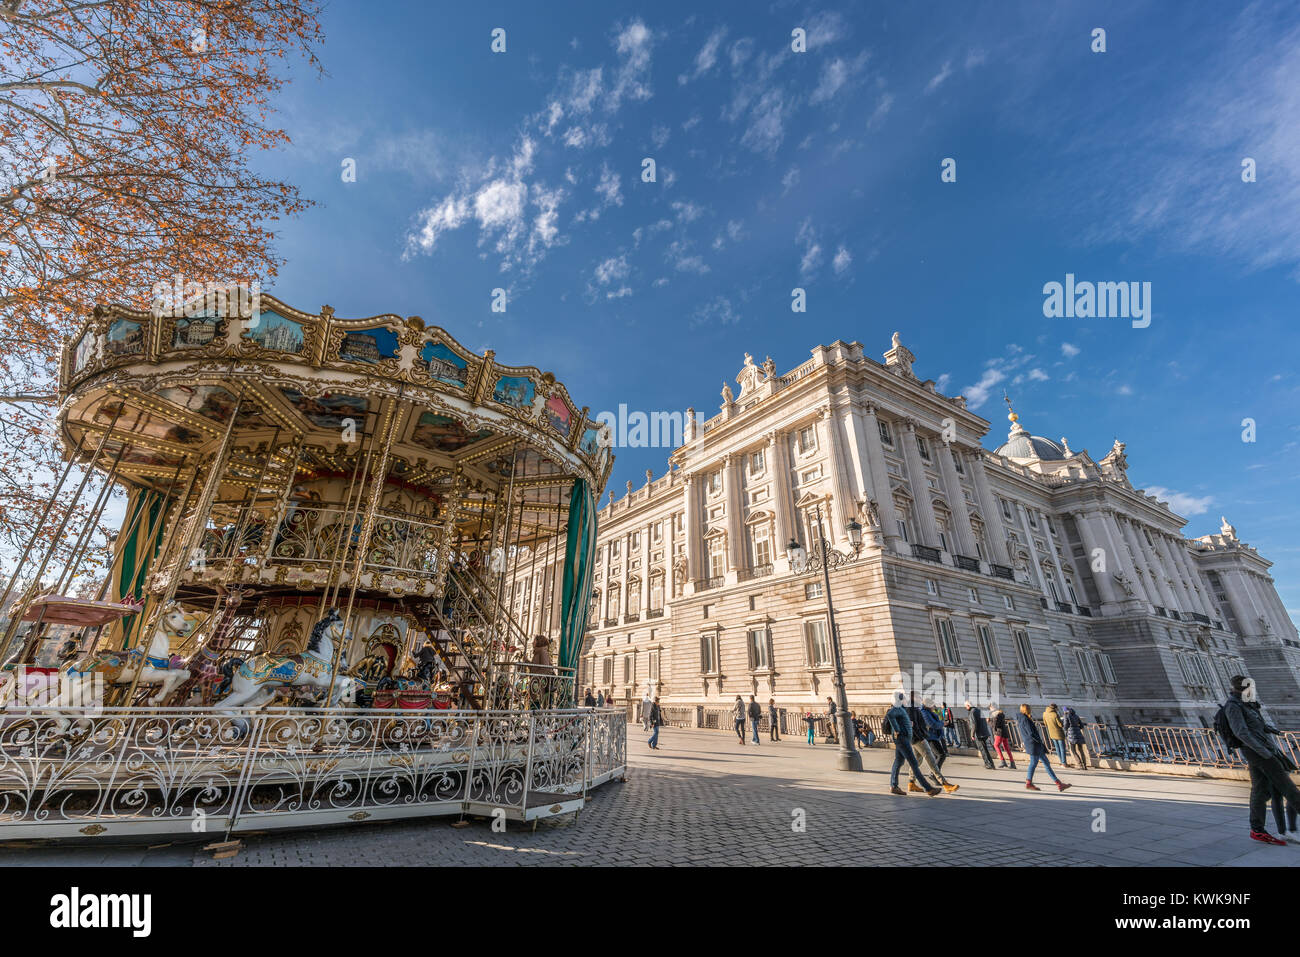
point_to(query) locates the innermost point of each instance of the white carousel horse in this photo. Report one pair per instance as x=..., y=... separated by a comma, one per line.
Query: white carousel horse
x=119, y=667
x=258, y=678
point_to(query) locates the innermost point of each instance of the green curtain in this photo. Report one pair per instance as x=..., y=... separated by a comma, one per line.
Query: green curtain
x=137, y=556
x=579, y=555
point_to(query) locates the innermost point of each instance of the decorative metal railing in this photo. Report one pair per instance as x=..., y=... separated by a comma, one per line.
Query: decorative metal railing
x=521, y=685
x=138, y=771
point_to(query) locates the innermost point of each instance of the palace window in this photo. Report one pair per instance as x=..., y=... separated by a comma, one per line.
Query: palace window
x=973, y=594
x=816, y=644
x=762, y=545
x=657, y=593
x=956, y=464
x=811, y=475
x=1006, y=509
x=758, y=649
x=1069, y=586
x=656, y=531
x=812, y=590
x=902, y=530
x=949, y=653
x=988, y=648
x=807, y=439
x=1033, y=517
x=932, y=587
x=614, y=550
x=1085, y=666
x=636, y=540
x=653, y=665
x=885, y=436
x=717, y=556
x=709, y=653
x=1051, y=587
x=1009, y=602
x=715, y=482
x=923, y=447
x=757, y=462
x=1024, y=650
x=634, y=597
x=1107, y=672
x=607, y=671
x=628, y=669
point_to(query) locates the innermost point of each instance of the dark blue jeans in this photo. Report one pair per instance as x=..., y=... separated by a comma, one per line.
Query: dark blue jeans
x=654, y=738
x=1034, y=759
x=903, y=752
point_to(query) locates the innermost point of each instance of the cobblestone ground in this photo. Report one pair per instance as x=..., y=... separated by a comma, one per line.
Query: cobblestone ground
x=705, y=799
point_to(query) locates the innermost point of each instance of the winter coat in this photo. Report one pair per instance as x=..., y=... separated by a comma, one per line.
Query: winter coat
x=933, y=725
x=1030, y=739
x=740, y=710
x=1052, y=719
x=979, y=727
x=1073, y=727
x=656, y=716
x=1000, y=723
x=1249, y=726
x=897, y=720
x=755, y=711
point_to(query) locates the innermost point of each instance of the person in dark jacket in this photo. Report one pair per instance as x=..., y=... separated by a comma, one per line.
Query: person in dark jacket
x=930, y=744
x=1002, y=739
x=832, y=724
x=773, y=720
x=900, y=725
x=589, y=701
x=979, y=729
x=1074, y=736
x=1269, y=766
x=656, y=721
x=1032, y=741
x=755, y=715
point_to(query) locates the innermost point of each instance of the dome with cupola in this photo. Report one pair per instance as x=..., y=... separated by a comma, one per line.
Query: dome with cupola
x=1021, y=445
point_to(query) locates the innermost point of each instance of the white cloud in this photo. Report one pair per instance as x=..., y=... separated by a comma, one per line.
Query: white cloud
x=1037, y=375
x=609, y=187
x=707, y=58
x=977, y=394
x=881, y=111
x=684, y=259
x=687, y=212
x=938, y=79
x=836, y=74
x=612, y=269
x=789, y=180
x=941, y=383
x=766, y=127
x=842, y=261
x=717, y=310
x=1069, y=350
x=1180, y=502
x=811, y=259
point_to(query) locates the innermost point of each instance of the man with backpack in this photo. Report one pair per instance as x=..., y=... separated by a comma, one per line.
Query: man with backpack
x=755, y=715
x=979, y=730
x=927, y=732
x=898, y=722
x=1241, y=726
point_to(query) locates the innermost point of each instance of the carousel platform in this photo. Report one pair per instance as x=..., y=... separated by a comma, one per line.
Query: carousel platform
x=156, y=772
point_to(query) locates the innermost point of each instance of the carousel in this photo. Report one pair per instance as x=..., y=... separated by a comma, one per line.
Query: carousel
x=308, y=613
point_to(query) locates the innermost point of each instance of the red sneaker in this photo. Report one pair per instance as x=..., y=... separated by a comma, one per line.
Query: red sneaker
x=1266, y=838
x=1061, y=785
x=1029, y=785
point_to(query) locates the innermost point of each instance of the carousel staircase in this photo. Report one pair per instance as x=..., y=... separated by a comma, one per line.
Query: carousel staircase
x=464, y=675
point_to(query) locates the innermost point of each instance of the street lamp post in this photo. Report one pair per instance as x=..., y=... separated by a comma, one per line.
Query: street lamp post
x=849, y=759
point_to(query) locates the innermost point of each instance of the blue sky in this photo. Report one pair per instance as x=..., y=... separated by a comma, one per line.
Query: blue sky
x=775, y=169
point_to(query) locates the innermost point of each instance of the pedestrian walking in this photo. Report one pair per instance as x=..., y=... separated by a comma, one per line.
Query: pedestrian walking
x=773, y=721
x=1074, y=736
x=979, y=729
x=755, y=716
x=1032, y=742
x=900, y=724
x=738, y=714
x=1056, y=732
x=927, y=741
x=832, y=727
x=949, y=727
x=1243, y=728
x=812, y=727
x=656, y=722
x=1002, y=739
x=600, y=698
x=646, y=703
x=589, y=701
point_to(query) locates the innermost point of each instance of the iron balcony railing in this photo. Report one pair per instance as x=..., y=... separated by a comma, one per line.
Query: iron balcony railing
x=1001, y=571
x=926, y=553
x=969, y=564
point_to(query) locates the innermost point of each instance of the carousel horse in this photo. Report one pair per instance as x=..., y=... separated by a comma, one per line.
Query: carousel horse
x=257, y=679
x=155, y=666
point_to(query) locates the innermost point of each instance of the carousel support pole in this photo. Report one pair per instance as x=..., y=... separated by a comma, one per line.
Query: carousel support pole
x=123, y=535
x=494, y=630
x=196, y=525
x=334, y=578
x=67, y=514
x=389, y=429
x=83, y=540
x=277, y=519
x=40, y=523
x=249, y=505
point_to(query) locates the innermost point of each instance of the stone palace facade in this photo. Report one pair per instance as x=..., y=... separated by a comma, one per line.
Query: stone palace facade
x=1034, y=564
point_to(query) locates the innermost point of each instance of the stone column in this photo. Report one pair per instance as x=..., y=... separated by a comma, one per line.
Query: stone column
x=1237, y=601
x=844, y=499
x=881, y=490
x=995, y=536
x=1091, y=542
x=645, y=570
x=1150, y=579
x=965, y=543
x=781, y=504
x=927, y=531
x=1158, y=573
x=1036, y=569
x=732, y=467
x=691, y=530
x=1176, y=575
x=1195, y=585
x=1259, y=588
x=1123, y=561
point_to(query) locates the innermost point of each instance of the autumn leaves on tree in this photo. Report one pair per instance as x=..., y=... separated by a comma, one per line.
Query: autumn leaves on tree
x=126, y=133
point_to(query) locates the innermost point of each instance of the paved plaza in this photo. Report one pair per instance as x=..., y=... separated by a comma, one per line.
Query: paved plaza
x=704, y=799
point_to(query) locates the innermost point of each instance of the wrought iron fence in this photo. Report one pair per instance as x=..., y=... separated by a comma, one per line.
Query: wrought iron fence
x=522, y=685
x=173, y=770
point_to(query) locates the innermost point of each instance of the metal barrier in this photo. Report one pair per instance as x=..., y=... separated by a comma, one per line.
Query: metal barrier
x=183, y=770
